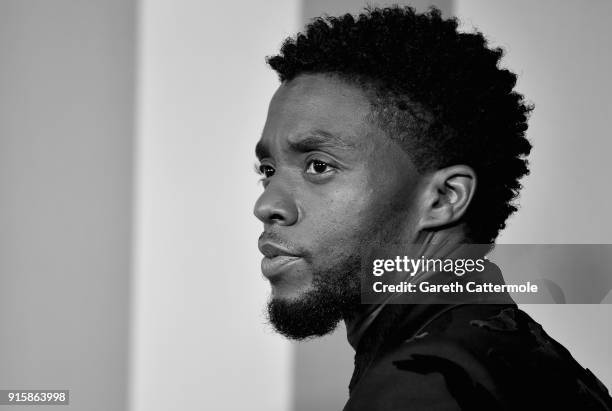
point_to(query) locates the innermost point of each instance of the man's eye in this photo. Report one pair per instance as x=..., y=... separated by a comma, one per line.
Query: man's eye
x=266, y=170
x=318, y=167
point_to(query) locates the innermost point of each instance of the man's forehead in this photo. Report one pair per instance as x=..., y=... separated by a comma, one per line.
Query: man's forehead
x=316, y=109
x=319, y=97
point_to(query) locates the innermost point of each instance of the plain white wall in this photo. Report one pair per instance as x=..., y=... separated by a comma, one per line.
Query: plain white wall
x=561, y=51
x=199, y=338
x=66, y=88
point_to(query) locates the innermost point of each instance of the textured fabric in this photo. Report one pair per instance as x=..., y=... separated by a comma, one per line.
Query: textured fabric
x=467, y=357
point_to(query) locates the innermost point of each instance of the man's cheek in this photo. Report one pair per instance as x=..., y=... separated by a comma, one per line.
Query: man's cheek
x=335, y=246
x=350, y=213
x=337, y=235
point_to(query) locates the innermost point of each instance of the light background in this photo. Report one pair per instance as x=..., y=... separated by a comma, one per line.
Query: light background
x=128, y=261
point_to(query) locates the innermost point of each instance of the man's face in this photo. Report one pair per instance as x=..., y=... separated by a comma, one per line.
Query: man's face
x=335, y=186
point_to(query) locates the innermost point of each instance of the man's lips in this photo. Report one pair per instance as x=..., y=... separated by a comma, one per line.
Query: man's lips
x=273, y=266
x=276, y=258
x=271, y=250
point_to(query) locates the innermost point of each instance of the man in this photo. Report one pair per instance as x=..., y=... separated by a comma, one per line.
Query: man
x=394, y=128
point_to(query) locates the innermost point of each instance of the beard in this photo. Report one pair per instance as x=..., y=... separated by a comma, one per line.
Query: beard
x=336, y=294
x=336, y=289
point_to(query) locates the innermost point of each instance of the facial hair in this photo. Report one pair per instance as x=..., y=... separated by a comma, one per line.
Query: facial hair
x=336, y=290
x=336, y=294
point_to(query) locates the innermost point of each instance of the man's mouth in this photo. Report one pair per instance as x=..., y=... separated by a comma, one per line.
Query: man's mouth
x=276, y=258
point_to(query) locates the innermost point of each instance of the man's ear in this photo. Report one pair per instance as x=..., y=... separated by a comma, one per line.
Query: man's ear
x=446, y=196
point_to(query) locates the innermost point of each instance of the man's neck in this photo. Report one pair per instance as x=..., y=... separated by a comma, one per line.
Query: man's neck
x=428, y=243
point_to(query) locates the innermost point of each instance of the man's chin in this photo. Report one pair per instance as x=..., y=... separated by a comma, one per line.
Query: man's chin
x=300, y=318
x=312, y=313
x=313, y=305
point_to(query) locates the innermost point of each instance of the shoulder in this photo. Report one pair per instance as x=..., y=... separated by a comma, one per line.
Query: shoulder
x=527, y=367
x=482, y=357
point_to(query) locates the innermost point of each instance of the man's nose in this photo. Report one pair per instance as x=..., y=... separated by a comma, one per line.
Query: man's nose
x=276, y=206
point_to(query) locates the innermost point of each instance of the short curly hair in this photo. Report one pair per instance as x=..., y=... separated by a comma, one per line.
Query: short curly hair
x=437, y=91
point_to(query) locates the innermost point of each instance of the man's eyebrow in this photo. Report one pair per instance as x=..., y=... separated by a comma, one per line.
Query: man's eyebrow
x=318, y=139
x=313, y=140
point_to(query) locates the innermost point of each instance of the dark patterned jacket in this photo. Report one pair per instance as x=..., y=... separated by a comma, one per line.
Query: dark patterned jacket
x=467, y=357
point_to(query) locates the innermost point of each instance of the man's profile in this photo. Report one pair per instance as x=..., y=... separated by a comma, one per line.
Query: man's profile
x=395, y=128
